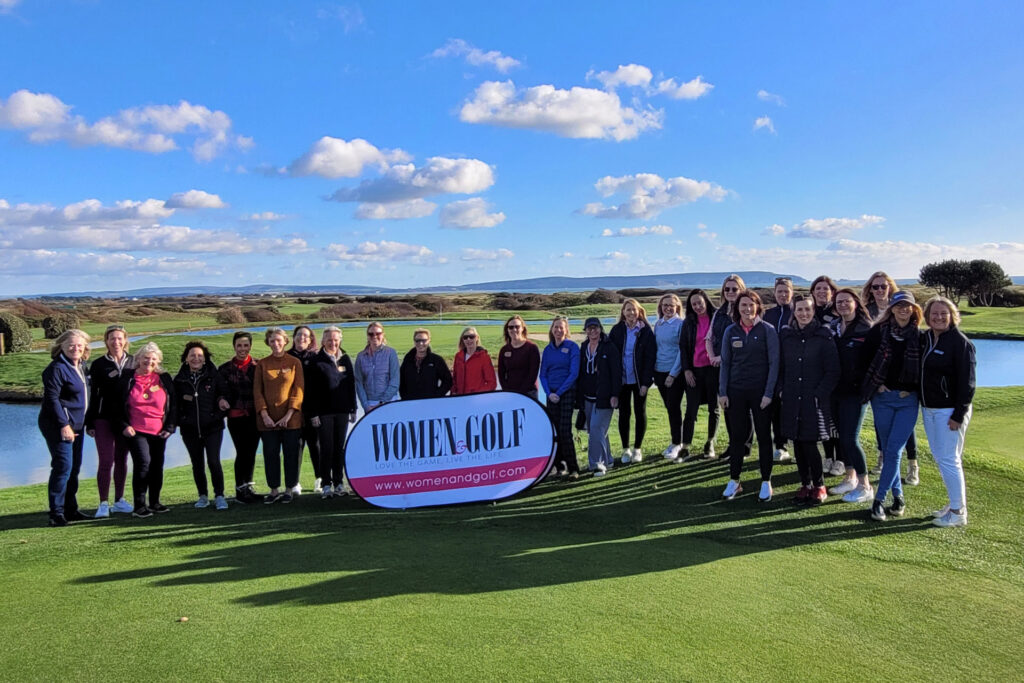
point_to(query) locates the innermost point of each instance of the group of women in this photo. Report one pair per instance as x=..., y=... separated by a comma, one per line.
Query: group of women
x=801, y=372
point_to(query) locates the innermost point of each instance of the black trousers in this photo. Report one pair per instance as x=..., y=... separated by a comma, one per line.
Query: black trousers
x=331, y=434
x=778, y=439
x=274, y=441
x=672, y=397
x=246, y=440
x=207, y=444
x=561, y=418
x=147, y=468
x=705, y=392
x=808, y=462
x=639, y=406
x=309, y=437
x=744, y=405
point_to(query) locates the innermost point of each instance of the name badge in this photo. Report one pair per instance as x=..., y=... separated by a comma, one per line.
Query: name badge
x=738, y=344
x=112, y=373
x=341, y=368
x=155, y=388
x=940, y=353
x=285, y=370
x=508, y=354
x=565, y=349
x=186, y=397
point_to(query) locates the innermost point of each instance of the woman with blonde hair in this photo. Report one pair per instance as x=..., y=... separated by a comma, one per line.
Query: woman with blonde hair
x=102, y=419
x=278, y=389
x=330, y=403
x=876, y=292
x=638, y=349
x=62, y=422
x=559, y=369
x=668, y=365
x=518, y=359
x=472, y=368
x=377, y=370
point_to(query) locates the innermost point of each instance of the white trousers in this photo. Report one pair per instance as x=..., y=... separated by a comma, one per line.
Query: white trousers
x=947, y=448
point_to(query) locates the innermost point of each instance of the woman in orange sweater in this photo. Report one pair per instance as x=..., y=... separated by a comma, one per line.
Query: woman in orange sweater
x=277, y=392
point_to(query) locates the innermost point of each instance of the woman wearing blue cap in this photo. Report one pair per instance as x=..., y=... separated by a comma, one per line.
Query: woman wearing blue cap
x=600, y=381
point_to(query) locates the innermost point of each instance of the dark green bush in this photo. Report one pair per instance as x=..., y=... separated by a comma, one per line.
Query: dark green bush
x=16, y=334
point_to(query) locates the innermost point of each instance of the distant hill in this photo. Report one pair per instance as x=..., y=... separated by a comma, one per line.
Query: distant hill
x=753, y=278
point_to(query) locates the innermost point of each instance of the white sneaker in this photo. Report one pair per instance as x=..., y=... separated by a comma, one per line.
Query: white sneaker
x=672, y=452
x=627, y=456
x=123, y=506
x=203, y=502
x=827, y=468
x=709, y=451
x=782, y=455
x=862, y=494
x=327, y=492
x=935, y=513
x=766, y=492
x=843, y=487
x=220, y=503
x=732, y=489
x=600, y=470
x=838, y=468
x=913, y=474
x=638, y=455
x=951, y=519
x=317, y=485
x=296, y=490
x=103, y=510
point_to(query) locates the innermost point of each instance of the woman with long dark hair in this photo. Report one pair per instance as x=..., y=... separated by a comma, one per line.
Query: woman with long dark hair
x=699, y=374
x=304, y=348
x=633, y=336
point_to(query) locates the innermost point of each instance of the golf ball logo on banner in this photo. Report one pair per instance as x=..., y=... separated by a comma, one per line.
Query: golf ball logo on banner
x=457, y=449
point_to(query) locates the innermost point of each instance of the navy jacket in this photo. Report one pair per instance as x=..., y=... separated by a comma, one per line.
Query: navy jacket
x=430, y=380
x=720, y=321
x=199, y=402
x=645, y=351
x=750, y=360
x=779, y=316
x=947, y=373
x=65, y=395
x=808, y=372
x=330, y=387
x=602, y=379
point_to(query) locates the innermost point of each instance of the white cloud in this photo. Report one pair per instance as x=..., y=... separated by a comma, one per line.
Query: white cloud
x=194, y=199
x=633, y=75
x=403, y=182
x=764, y=122
x=45, y=118
x=774, y=230
x=612, y=256
x=649, y=194
x=48, y=262
x=350, y=16
x=7, y=5
x=833, y=228
x=470, y=213
x=264, y=216
x=336, y=158
x=566, y=254
x=690, y=90
x=384, y=252
x=636, y=232
x=574, y=113
x=766, y=96
x=457, y=47
x=485, y=254
x=412, y=208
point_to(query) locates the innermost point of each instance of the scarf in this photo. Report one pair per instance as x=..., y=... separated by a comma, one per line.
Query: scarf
x=879, y=366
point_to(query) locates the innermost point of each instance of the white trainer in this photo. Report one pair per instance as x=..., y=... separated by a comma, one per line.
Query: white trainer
x=627, y=456
x=220, y=503
x=827, y=469
x=203, y=502
x=317, y=485
x=766, y=492
x=951, y=519
x=782, y=455
x=862, y=494
x=327, y=492
x=838, y=468
x=638, y=455
x=600, y=470
x=732, y=489
x=672, y=452
x=295, y=491
x=103, y=510
x=123, y=506
x=913, y=474
x=709, y=451
x=843, y=487
x=935, y=513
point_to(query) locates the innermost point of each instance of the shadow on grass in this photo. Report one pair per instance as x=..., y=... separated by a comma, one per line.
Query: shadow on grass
x=651, y=518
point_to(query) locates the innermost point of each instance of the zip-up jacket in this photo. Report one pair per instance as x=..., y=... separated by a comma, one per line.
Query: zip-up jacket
x=330, y=386
x=666, y=334
x=853, y=361
x=65, y=395
x=808, y=372
x=104, y=395
x=645, y=351
x=779, y=316
x=170, y=405
x=688, y=341
x=475, y=375
x=431, y=379
x=750, y=360
x=947, y=372
x=199, y=398
x=600, y=379
x=720, y=321
x=559, y=367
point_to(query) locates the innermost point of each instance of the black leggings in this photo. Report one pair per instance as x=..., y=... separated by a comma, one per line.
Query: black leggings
x=209, y=443
x=147, y=468
x=744, y=403
x=704, y=393
x=331, y=434
x=808, y=461
x=310, y=438
x=672, y=397
x=246, y=440
x=639, y=407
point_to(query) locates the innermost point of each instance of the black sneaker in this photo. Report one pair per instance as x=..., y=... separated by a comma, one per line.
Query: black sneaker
x=286, y=498
x=898, y=507
x=142, y=512
x=58, y=520
x=76, y=516
x=272, y=498
x=159, y=508
x=878, y=511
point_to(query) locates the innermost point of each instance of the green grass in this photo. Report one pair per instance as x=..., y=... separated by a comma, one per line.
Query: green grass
x=1001, y=322
x=645, y=574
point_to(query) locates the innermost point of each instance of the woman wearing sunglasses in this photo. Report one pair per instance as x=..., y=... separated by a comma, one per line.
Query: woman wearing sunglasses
x=424, y=374
x=472, y=368
x=377, y=370
x=518, y=360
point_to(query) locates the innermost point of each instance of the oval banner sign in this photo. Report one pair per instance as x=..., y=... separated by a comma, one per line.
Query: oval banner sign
x=456, y=449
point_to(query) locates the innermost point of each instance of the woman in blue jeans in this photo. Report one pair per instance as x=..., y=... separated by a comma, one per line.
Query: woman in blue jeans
x=893, y=346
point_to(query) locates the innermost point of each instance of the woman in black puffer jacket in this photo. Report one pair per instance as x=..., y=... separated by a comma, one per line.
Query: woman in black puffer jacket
x=201, y=395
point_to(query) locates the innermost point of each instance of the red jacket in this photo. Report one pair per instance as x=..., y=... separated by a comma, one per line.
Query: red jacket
x=475, y=375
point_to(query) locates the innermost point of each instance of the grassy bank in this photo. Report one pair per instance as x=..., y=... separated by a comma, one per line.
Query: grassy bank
x=643, y=575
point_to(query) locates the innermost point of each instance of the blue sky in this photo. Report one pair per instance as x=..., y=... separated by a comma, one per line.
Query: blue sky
x=395, y=144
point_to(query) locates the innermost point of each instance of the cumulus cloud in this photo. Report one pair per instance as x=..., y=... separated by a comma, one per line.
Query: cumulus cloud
x=336, y=158
x=457, y=47
x=612, y=256
x=764, y=122
x=636, y=232
x=690, y=90
x=649, y=194
x=383, y=252
x=194, y=199
x=766, y=96
x=413, y=208
x=470, y=213
x=485, y=254
x=639, y=76
x=575, y=113
x=152, y=129
x=833, y=228
x=47, y=262
x=774, y=230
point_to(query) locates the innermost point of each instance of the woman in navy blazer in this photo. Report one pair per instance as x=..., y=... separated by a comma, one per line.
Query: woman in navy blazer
x=62, y=422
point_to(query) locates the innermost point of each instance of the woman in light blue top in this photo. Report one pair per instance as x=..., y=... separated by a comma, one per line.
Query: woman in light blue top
x=668, y=365
x=377, y=370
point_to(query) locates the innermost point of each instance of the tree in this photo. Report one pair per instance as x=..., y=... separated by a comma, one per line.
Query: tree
x=950, y=277
x=985, y=279
x=59, y=323
x=16, y=334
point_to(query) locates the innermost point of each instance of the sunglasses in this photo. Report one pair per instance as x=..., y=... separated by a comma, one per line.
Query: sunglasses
x=731, y=289
x=374, y=334
x=115, y=328
x=879, y=286
x=467, y=337
x=421, y=341
x=515, y=327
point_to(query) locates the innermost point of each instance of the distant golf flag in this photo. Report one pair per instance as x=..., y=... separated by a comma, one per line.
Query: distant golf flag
x=457, y=449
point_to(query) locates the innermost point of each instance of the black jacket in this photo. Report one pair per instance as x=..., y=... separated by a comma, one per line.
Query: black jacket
x=330, y=387
x=104, y=394
x=601, y=379
x=430, y=380
x=947, y=372
x=825, y=314
x=688, y=342
x=170, y=405
x=779, y=316
x=720, y=321
x=199, y=400
x=239, y=385
x=853, y=361
x=808, y=372
x=750, y=360
x=645, y=351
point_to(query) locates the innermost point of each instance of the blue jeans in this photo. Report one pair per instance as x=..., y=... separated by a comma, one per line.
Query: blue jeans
x=599, y=449
x=895, y=418
x=849, y=414
x=65, y=462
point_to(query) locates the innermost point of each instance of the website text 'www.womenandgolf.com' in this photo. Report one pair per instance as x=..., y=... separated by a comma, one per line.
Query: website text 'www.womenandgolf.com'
x=484, y=475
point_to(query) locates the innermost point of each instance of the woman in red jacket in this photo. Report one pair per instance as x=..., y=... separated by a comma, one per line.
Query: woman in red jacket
x=472, y=369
